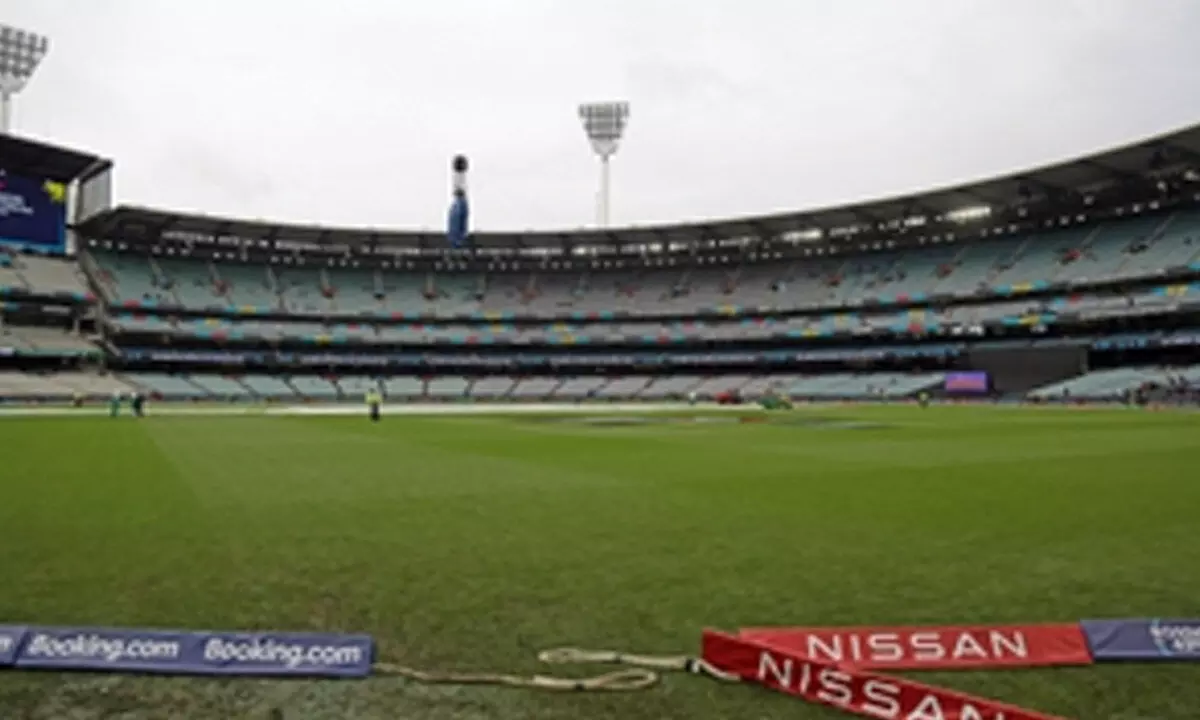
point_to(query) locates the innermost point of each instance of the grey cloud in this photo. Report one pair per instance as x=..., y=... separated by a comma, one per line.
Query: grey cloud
x=349, y=112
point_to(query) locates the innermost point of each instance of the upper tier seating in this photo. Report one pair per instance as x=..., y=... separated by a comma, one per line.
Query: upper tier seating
x=53, y=275
x=34, y=273
x=1137, y=246
x=44, y=340
x=1015, y=311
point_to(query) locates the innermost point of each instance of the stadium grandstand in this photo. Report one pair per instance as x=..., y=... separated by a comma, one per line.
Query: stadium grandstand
x=1078, y=281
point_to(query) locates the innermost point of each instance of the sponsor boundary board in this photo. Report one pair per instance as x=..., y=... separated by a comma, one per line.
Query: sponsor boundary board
x=852, y=690
x=934, y=647
x=180, y=652
x=1145, y=639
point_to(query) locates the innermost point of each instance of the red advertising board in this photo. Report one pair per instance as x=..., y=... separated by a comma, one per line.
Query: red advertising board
x=850, y=689
x=932, y=648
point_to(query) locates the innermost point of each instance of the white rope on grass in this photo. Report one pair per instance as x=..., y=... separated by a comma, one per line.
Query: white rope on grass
x=641, y=672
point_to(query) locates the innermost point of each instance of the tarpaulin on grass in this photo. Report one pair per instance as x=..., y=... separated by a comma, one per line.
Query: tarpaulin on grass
x=933, y=648
x=1143, y=639
x=180, y=652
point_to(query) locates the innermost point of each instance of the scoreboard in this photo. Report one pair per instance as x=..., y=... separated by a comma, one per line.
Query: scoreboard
x=33, y=212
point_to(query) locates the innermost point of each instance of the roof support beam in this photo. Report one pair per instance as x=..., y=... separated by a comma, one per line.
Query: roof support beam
x=1181, y=151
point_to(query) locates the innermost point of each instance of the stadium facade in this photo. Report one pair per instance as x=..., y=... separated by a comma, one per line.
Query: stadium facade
x=1075, y=281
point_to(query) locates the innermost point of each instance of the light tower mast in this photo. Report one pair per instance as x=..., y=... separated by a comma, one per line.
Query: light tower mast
x=604, y=124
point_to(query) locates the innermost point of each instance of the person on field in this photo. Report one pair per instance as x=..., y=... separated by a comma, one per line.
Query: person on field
x=114, y=404
x=374, y=401
x=137, y=404
x=923, y=398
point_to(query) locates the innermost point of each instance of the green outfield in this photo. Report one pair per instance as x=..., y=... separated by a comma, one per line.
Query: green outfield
x=469, y=543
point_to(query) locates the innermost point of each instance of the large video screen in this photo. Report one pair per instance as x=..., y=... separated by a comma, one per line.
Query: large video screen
x=33, y=213
x=967, y=382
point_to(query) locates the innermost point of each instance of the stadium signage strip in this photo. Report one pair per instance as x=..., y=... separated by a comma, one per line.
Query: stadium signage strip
x=1143, y=639
x=850, y=689
x=933, y=648
x=177, y=652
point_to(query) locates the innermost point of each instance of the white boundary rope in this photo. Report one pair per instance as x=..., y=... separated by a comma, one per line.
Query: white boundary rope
x=641, y=672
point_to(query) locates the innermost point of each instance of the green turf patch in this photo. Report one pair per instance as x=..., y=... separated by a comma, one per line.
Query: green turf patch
x=633, y=420
x=469, y=544
x=827, y=423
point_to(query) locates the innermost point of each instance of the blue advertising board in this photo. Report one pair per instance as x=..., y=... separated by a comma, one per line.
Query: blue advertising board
x=33, y=212
x=180, y=652
x=10, y=641
x=1144, y=639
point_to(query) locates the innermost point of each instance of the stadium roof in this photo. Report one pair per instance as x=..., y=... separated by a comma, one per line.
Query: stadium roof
x=39, y=160
x=1140, y=161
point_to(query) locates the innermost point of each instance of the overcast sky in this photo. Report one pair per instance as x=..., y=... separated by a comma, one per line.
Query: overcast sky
x=348, y=112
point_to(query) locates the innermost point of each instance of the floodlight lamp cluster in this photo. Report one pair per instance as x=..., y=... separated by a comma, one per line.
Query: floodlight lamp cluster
x=604, y=124
x=20, y=54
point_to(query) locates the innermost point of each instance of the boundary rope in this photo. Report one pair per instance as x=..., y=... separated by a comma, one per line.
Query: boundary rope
x=641, y=672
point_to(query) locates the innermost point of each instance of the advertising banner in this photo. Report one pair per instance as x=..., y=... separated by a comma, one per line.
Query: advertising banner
x=967, y=382
x=1143, y=639
x=933, y=648
x=32, y=212
x=179, y=652
x=848, y=689
x=10, y=641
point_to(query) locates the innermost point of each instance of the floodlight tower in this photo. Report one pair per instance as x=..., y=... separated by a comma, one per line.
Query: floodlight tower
x=20, y=54
x=604, y=124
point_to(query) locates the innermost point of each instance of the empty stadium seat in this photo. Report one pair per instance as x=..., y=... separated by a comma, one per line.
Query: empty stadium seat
x=313, y=387
x=534, y=388
x=222, y=387
x=865, y=385
x=622, y=387
x=675, y=386
x=403, y=387
x=268, y=386
x=491, y=387
x=578, y=387
x=447, y=388
x=356, y=387
x=52, y=275
x=166, y=385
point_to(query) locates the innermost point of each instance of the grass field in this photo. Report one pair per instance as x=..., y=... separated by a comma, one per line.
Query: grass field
x=469, y=543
